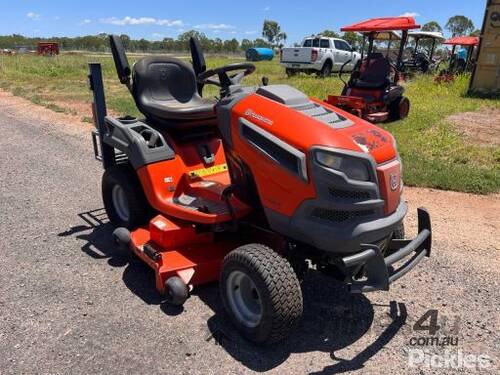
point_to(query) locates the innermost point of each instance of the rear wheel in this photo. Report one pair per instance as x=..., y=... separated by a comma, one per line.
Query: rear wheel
x=326, y=70
x=261, y=293
x=124, y=200
x=290, y=72
x=399, y=108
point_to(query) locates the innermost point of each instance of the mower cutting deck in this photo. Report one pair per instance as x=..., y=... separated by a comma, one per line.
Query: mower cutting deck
x=249, y=190
x=373, y=91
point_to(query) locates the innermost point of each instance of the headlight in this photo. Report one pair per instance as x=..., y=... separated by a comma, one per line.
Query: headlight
x=352, y=167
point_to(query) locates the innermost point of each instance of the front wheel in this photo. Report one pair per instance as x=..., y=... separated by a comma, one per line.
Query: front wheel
x=399, y=108
x=261, y=293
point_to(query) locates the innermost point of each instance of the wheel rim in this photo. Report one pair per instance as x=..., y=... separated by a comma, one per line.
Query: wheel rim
x=120, y=203
x=244, y=299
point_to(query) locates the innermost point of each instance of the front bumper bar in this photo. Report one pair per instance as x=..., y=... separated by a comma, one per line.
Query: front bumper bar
x=378, y=272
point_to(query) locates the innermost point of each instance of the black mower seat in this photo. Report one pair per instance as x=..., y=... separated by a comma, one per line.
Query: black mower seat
x=374, y=73
x=165, y=90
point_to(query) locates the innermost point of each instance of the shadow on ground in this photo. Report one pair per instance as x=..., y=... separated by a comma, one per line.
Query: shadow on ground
x=333, y=318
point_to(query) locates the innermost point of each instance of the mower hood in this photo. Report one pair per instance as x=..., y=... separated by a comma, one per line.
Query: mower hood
x=304, y=123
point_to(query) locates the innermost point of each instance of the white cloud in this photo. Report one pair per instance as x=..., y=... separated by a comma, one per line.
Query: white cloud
x=33, y=15
x=141, y=21
x=85, y=22
x=267, y=9
x=57, y=18
x=410, y=14
x=250, y=32
x=158, y=36
x=214, y=26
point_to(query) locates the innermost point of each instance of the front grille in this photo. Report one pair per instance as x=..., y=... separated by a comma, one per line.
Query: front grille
x=339, y=216
x=349, y=194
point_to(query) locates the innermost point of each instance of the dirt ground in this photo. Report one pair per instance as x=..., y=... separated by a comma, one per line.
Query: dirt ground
x=479, y=127
x=70, y=302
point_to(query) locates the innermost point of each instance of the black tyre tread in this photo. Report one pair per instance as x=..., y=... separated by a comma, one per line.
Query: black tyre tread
x=281, y=282
x=394, y=108
x=322, y=72
x=140, y=210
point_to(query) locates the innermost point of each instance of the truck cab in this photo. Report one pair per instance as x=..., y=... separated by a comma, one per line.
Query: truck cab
x=319, y=54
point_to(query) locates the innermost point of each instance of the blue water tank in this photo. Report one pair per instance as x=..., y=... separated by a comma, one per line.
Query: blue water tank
x=259, y=54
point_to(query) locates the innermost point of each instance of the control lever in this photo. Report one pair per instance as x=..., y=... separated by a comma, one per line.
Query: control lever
x=153, y=137
x=205, y=153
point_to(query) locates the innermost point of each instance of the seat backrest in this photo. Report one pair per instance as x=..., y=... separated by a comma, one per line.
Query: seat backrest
x=375, y=69
x=158, y=79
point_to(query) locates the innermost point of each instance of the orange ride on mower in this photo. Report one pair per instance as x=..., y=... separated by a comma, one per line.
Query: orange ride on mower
x=251, y=189
x=373, y=91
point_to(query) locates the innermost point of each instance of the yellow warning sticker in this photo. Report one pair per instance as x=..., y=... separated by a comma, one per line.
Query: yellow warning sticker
x=208, y=171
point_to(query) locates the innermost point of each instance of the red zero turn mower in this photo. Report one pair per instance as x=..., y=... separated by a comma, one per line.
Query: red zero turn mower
x=370, y=93
x=249, y=190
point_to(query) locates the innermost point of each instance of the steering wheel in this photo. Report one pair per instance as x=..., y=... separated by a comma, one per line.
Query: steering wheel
x=225, y=80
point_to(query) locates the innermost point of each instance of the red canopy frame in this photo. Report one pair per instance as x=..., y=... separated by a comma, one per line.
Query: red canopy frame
x=463, y=41
x=383, y=24
x=373, y=25
x=469, y=41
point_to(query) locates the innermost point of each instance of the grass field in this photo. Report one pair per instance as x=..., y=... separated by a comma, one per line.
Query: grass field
x=434, y=152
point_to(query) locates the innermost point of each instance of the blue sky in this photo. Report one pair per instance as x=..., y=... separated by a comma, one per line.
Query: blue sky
x=225, y=19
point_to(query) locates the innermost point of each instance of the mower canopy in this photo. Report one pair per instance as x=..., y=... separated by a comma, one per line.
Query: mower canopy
x=422, y=59
x=384, y=29
x=384, y=35
x=427, y=35
x=383, y=24
x=457, y=64
x=463, y=41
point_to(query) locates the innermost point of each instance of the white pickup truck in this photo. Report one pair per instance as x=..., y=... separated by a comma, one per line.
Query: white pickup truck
x=319, y=54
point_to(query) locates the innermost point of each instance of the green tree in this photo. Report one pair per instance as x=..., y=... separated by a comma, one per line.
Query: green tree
x=246, y=44
x=260, y=43
x=354, y=39
x=271, y=30
x=459, y=25
x=330, y=34
x=231, y=45
x=125, y=40
x=432, y=26
x=282, y=37
x=476, y=32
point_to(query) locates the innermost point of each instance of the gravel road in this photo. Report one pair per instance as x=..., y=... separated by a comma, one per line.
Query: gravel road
x=71, y=303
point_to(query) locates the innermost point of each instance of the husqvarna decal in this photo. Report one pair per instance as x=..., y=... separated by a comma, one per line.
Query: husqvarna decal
x=250, y=113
